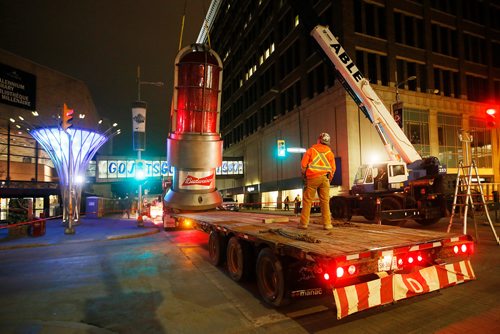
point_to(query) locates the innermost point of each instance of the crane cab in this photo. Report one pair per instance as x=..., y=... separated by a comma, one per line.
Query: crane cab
x=386, y=176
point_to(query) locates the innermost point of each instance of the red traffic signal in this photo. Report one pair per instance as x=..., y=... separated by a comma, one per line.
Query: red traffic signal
x=67, y=117
x=491, y=118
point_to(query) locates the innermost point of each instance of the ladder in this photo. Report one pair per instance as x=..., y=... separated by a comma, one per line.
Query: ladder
x=469, y=191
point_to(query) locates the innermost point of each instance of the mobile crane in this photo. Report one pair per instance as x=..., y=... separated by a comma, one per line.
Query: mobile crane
x=406, y=185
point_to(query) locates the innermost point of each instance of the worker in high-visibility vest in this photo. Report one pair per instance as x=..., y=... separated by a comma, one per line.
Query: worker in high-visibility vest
x=318, y=167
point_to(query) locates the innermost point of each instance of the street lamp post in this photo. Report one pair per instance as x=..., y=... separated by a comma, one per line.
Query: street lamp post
x=139, y=144
x=397, y=107
x=398, y=84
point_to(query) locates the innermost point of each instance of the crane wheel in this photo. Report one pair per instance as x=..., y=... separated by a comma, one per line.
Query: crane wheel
x=390, y=203
x=340, y=208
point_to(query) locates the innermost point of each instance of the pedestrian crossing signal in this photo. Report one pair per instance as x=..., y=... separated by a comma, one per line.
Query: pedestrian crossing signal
x=281, y=148
x=67, y=117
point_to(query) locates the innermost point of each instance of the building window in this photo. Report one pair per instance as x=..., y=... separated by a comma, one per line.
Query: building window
x=494, y=15
x=474, y=49
x=481, y=143
x=496, y=87
x=447, y=82
x=290, y=98
x=370, y=19
x=319, y=79
x=477, y=88
x=473, y=10
x=447, y=6
x=373, y=66
x=409, y=30
x=444, y=40
x=416, y=125
x=408, y=69
x=450, y=147
x=496, y=53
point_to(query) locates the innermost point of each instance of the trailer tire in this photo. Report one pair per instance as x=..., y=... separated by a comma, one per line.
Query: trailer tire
x=271, y=279
x=238, y=259
x=216, y=248
x=339, y=208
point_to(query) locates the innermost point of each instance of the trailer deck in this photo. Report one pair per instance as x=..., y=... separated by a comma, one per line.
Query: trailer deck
x=345, y=238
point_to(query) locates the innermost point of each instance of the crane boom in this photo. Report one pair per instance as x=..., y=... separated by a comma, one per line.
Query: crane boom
x=366, y=98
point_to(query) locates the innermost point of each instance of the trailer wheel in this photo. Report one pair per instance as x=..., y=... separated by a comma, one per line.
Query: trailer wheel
x=339, y=208
x=271, y=279
x=216, y=248
x=238, y=258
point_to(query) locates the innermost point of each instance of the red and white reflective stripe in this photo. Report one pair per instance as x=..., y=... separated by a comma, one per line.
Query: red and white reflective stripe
x=425, y=246
x=355, y=298
x=351, y=257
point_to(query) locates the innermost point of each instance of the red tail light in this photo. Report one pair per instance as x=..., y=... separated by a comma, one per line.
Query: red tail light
x=340, y=272
x=410, y=259
x=352, y=269
x=464, y=249
x=326, y=276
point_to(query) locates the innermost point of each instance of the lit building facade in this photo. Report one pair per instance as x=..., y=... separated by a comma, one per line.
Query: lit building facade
x=441, y=58
x=32, y=96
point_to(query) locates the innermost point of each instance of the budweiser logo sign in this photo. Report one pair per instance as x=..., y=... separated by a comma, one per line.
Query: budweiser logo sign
x=199, y=181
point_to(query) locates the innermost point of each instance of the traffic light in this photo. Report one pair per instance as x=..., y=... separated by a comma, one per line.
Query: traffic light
x=140, y=170
x=491, y=118
x=67, y=117
x=281, y=148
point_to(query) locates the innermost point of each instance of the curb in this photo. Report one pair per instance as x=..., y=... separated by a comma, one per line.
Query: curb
x=130, y=236
x=40, y=326
x=111, y=237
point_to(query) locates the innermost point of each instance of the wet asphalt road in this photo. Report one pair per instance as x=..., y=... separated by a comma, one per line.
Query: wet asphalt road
x=163, y=283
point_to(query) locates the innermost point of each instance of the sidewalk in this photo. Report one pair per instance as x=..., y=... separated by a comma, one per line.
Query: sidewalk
x=89, y=229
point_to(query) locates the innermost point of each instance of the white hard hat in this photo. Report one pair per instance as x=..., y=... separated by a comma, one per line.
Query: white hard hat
x=324, y=138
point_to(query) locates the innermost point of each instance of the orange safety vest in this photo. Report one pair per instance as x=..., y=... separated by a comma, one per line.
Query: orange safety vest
x=318, y=160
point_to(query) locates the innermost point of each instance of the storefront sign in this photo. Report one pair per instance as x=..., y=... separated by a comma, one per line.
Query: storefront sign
x=17, y=88
x=116, y=170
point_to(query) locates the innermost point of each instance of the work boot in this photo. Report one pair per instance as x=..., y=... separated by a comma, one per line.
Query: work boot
x=328, y=227
x=302, y=227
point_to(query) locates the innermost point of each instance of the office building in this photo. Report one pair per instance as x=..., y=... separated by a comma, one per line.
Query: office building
x=440, y=58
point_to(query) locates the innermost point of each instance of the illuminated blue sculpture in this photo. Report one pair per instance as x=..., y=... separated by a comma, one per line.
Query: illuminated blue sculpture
x=71, y=152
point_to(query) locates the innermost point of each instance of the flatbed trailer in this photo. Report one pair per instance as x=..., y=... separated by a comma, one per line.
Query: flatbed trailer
x=362, y=265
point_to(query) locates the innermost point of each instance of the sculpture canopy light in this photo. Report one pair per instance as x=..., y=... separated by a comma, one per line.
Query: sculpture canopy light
x=71, y=152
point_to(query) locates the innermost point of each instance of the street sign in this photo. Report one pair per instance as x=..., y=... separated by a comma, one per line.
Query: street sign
x=397, y=113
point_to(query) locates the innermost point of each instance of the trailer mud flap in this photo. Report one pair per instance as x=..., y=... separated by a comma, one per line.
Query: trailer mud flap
x=359, y=297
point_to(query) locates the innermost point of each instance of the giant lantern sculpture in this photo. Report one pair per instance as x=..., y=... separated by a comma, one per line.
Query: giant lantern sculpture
x=194, y=145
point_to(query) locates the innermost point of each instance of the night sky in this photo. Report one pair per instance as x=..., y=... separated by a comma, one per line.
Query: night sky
x=101, y=42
